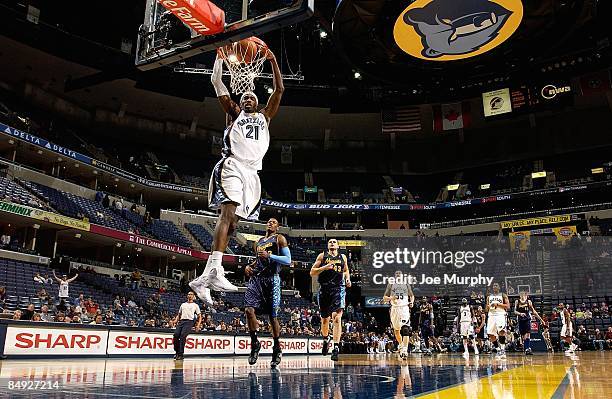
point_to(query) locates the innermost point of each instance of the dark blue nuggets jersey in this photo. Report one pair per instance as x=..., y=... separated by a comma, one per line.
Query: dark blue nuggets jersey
x=335, y=276
x=267, y=267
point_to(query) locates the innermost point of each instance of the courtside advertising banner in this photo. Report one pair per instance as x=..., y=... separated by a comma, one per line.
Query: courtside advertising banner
x=288, y=345
x=28, y=340
x=157, y=343
x=315, y=346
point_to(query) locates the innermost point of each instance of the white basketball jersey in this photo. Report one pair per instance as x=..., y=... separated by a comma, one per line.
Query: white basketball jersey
x=465, y=314
x=247, y=139
x=496, y=299
x=399, y=293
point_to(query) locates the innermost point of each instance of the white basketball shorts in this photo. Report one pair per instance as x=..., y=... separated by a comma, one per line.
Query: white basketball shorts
x=400, y=316
x=232, y=181
x=496, y=322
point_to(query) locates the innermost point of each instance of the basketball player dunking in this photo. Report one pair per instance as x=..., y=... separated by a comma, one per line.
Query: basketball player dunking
x=234, y=187
x=402, y=299
x=264, y=288
x=332, y=270
x=497, y=306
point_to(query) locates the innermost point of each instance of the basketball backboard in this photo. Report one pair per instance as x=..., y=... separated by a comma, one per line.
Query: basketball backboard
x=164, y=39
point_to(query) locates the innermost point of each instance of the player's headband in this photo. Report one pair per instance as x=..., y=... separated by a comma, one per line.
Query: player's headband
x=249, y=93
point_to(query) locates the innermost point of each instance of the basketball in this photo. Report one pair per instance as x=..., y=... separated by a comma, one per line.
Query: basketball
x=245, y=51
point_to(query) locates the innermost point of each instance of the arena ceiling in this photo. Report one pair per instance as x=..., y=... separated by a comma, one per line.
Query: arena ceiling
x=359, y=62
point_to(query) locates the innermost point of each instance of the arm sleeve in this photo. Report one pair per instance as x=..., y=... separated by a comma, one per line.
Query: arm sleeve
x=216, y=80
x=284, y=258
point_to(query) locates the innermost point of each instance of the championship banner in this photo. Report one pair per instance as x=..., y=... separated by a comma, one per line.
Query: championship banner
x=351, y=243
x=496, y=102
x=38, y=214
x=511, y=224
x=564, y=233
x=519, y=240
x=28, y=340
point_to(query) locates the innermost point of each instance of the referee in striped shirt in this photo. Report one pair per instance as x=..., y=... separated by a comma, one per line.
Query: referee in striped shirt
x=184, y=321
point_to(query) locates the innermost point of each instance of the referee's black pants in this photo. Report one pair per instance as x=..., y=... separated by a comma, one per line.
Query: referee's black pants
x=183, y=328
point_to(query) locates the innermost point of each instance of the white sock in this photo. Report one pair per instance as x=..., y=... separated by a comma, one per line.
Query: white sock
x=213, y=262
x=502, y=347
x=406, y=342
x=465, y=347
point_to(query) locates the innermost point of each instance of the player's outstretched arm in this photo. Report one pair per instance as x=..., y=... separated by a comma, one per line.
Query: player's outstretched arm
x=279, y=87
x=535, y=312
x=228, y=105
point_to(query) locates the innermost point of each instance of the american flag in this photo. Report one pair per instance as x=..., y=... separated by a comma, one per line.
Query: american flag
x=401, y=119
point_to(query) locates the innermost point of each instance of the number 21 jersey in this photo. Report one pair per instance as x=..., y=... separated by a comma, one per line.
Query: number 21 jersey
x=247, y=139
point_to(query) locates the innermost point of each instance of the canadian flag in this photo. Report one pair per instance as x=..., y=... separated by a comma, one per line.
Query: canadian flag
x=452, y=116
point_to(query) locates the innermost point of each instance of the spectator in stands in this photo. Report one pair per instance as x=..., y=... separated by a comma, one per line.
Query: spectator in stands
x=2, y=297
x=43, y=280
x=106, y=201
x=17, y=315
x=119, y=204
x=80, y=301
x=598, y=339
x=44, y=314
x=43, y=295
x=75, y=319
x=97, y=320
x=609, y=337
x=582, y=336
x=64, y=284
x=91, y=308
x=5, y=240
x=135, y=278
x=61, y=307
x=588, y=314
x=28, y=313
x=60, y=318
x=36, y=317
x=131, y=303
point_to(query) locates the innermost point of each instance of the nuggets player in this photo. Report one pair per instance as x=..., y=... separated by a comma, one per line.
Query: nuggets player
x=567, y=332
x=497, y=306
x=234, y=187
x=426, y=323
x=523, y=308
x=402, y=299
x=332, y=270
x=264, y=288
x=466, y=326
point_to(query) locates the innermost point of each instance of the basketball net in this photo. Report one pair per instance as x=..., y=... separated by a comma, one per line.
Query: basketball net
x=243, y=73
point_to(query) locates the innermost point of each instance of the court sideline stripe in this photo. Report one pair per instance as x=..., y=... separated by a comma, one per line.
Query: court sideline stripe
x=560, y=391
